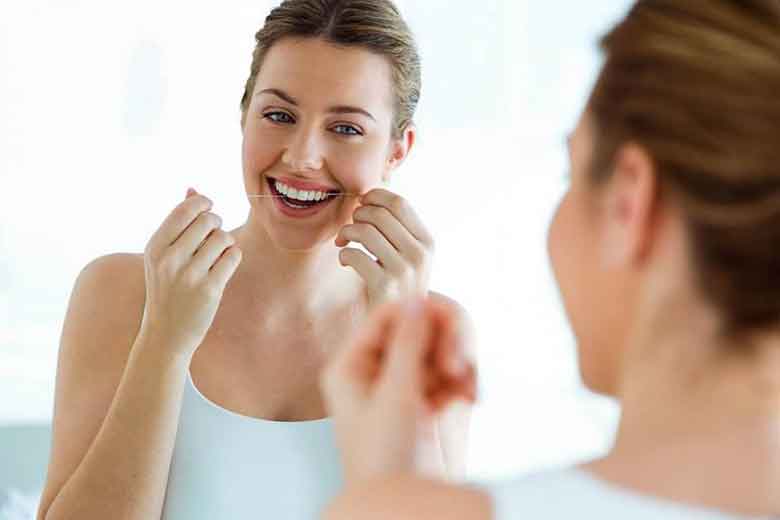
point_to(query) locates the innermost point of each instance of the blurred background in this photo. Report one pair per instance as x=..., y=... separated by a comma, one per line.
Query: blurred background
x=109, y=110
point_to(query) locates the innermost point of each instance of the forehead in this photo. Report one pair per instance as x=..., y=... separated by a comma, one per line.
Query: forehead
x=319, y=73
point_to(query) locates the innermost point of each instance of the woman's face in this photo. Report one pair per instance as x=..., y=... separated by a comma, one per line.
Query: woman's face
x=320, y=120
x=596, y=294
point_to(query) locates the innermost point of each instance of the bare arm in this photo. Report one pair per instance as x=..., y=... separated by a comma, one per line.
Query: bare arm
x=131, y=328
x=117, y=402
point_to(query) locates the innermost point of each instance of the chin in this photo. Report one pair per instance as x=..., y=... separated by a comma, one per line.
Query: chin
x=299, y=242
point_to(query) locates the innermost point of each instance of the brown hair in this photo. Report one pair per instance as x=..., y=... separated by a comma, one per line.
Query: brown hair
x=697, y=84
x=375, y=25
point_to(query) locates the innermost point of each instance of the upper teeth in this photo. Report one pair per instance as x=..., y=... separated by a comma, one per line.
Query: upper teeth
x=290, y=192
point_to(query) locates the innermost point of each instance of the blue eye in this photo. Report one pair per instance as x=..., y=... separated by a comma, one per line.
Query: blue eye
x=279, y=117
x=346, y=130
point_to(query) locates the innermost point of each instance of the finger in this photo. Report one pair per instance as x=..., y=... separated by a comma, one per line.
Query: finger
x=463, y=385
x=392, y=229
x=442, y=390
x=402, y=210
x=366, y=267
x=450, y=352
x=178, y=221
x=449, y=375
x=357, y=365
x=225, y=266
x=187, y=211
x=196, y=235
x=376, y=243
x=211, y=250
x=445, y=395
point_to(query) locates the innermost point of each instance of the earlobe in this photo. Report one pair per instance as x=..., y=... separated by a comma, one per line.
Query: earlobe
x=399, y=150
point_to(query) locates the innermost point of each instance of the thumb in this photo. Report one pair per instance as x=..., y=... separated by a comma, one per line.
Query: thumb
x=355, y=368
x=190, y=193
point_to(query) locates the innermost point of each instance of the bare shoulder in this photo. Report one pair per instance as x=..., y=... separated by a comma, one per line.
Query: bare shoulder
x=101, y=322
x=107, y=302
x=118, y=277
x=105, y=308
x=466, y=323
x=411, y=498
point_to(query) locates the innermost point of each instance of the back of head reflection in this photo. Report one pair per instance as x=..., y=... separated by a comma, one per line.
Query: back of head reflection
x=666, y=250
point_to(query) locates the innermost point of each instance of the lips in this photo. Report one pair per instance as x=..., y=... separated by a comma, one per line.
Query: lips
x=292, y=206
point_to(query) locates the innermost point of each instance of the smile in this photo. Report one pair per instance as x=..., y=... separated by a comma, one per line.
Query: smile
x=295, y=202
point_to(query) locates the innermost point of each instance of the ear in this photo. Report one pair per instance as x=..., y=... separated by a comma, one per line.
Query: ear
x=400, y=149
x=632, y=203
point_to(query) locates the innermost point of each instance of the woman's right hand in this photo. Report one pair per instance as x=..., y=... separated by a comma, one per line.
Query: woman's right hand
x=188, y=262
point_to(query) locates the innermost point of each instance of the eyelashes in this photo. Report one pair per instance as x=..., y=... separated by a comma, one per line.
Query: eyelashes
x=348, y=130
x=342, y=129
x=279, y=117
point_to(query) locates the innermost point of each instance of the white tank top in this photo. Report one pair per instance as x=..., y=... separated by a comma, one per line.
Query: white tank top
x=227, y=465
x=573, y=493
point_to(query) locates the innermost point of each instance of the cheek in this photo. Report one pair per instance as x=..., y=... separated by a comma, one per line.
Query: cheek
x=258, y=154
x=359, y=167
x=559, y=247
x=572, y=254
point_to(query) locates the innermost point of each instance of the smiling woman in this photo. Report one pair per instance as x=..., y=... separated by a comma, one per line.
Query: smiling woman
x=188, y=381
x=346, y=122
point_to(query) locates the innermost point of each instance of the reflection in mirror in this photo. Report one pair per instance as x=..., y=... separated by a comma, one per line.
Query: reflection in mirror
x=186, y=329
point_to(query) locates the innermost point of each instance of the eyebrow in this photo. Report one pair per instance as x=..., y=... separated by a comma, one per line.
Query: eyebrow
x=340, y=109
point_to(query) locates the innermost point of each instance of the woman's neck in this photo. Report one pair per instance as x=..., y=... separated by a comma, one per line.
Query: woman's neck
x=700, y=420
x=305, y=284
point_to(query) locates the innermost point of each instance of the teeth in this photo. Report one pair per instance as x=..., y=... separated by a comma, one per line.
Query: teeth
x=301, y=195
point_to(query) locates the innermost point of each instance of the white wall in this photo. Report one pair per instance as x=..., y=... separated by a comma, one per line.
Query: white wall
x=109, y=110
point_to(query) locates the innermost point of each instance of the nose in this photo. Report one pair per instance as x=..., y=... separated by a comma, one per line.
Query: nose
x=303, y=151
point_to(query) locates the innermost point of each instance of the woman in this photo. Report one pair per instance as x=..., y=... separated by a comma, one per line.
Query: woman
x=666, y=249
x=187, y=384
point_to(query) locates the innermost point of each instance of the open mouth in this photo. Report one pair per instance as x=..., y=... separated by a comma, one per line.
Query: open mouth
x=300, y=199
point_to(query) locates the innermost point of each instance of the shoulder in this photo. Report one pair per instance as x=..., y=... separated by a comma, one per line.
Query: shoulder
x=113, y=270
x=411, y=498
x=107, y=301
x=117, y=280
x=464, y=318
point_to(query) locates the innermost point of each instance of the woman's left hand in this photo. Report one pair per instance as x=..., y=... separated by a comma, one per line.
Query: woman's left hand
x=388, y=227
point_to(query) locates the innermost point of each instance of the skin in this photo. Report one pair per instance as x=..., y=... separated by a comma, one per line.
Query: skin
x=697, y=417
x=122, y=368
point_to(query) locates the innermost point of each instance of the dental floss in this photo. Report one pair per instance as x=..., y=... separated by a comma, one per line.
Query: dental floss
x=252, y=196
